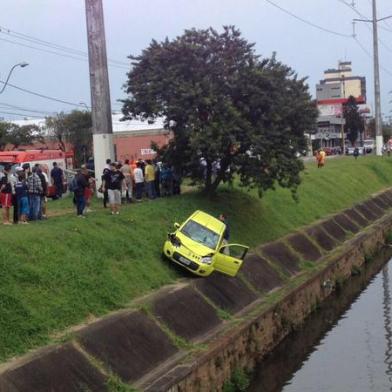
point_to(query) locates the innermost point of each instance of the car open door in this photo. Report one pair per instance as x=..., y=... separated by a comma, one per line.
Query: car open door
x=229, y=259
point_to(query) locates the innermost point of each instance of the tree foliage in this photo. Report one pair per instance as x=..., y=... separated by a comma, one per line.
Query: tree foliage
x=74, y=128
x=13, y=135
x=354, y=122
x=228, y=108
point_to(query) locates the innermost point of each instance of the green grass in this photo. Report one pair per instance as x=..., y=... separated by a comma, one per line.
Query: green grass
x=60, y=272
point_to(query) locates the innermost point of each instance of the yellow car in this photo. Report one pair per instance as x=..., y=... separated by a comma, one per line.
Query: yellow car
x=198, y=246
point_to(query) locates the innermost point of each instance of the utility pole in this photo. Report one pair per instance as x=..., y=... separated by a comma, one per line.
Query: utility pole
x=377, y=98
x=342, y=117
x=99, y=86
x=376, y=66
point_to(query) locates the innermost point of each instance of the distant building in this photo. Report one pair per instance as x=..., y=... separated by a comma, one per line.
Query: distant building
x=332, y=93
x=132, y=139
x=338, y=84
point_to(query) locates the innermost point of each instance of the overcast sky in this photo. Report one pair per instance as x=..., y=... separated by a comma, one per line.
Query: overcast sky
x=132, y=24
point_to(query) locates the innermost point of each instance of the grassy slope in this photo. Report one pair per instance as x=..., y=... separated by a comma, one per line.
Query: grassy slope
x=57, y=273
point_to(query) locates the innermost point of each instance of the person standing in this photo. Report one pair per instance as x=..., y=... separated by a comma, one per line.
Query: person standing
x=157, y=179
x=139, y=181
x=35, y=191
x=79, y=186
x=6, y=194
x=113, y=182
x=44, y=182
x=21, y=192
x=126, y=170
x=57, y=176
x=13, y=179
x=150, y=179
x=320, y=157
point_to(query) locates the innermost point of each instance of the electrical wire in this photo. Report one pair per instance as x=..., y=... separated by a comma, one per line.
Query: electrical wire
x=43, y=95
x=382, y=43
x=4, y=105
x=19, y=114
x=52, y=45
x=307, y=21
x=58, y=54
x=387, y=71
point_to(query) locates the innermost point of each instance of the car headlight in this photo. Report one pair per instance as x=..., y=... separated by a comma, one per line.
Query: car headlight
x=206, y=260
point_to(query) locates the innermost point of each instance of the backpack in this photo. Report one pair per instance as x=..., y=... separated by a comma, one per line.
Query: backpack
x=73, y=185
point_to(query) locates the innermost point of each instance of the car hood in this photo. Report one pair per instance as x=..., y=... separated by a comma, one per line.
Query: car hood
x=192, y=248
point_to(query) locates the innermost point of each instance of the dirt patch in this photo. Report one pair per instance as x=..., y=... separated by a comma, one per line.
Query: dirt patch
x=356, y=217
x=321, y=237
x=366, y=212
x=230, y=294
x=333, y=229
x=348, y=225
x=304, y=247
x=260, y=274
x=129, y=344
x=280, y=254
x=63, y=369
x=186, y=313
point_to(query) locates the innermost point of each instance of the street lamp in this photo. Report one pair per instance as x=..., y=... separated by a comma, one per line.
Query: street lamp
x=85, y=105
x=22, y=65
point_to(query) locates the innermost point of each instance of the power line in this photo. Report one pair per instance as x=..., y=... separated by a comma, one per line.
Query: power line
x=52, y=45
x=23, y=109
x=387, y=71
x=18, y=114
x=382, y=43
x=42, y=95
x=307, y=21
x=57, y=53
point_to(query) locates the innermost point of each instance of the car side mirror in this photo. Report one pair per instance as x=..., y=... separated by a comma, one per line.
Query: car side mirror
x=177, y=225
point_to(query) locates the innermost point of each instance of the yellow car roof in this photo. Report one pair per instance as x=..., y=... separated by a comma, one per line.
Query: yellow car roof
x=208, y=221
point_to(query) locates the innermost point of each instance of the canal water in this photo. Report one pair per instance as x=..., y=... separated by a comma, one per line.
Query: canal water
x=346, y=346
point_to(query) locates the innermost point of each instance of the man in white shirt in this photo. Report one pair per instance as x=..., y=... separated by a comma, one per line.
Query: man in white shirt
x=139, y=181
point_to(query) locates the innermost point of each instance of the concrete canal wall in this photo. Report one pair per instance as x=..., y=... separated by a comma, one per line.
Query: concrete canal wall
x=191, y=336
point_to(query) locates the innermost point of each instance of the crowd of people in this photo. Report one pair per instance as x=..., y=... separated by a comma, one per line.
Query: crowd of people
x=25, y=189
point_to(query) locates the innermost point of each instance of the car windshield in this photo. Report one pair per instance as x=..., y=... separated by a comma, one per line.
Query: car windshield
x=200, y=234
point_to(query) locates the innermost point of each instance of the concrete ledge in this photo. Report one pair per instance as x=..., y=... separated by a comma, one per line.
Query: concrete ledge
x=356, y=217
x=62, y=369
x=281, y=255
x=258, y=272
x=129, y=344
x=334, y=230
x=347, y=224
x=227, y=293
x=302, y=245
x=186, y=313
x=319, y=235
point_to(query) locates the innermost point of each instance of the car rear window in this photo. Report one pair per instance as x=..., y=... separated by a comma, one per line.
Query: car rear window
x=201, y=234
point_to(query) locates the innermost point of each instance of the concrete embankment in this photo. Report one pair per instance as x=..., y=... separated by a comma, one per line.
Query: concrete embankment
x=191, y=336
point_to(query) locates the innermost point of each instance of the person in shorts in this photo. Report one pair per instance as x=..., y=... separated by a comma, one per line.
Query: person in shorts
x=22, y=197
x=113, y=183
x=6, y=194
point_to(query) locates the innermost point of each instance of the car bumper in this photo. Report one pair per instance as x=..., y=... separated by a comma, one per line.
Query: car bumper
x=193, y=266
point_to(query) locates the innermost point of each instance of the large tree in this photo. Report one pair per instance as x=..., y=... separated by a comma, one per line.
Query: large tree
x=14, y=136
x=354, y=122
x=74, y=128
x=231, y=112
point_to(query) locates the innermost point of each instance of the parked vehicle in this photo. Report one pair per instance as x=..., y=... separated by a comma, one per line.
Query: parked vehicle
x=198, y=246
x=44, y=157
x=350, y=150
x=369, y=145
